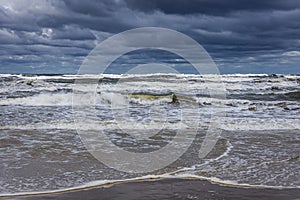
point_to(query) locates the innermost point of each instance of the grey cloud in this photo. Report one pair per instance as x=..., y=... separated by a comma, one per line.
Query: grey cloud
x=231, y=31
x=71, y=33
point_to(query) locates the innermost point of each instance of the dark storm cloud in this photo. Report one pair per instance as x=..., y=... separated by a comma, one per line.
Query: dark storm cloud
x=239, y=34
x=102, y=8
x=211, y=7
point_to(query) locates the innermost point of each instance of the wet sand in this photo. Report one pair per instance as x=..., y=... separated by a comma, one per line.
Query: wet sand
x=171, y=189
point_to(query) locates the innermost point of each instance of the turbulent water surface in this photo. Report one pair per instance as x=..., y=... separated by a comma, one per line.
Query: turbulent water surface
x=40, y=149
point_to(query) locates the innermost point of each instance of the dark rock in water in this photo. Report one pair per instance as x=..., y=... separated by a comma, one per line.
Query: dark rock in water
x=275, y=88
x=174, y=99
x=229, y=104
x=281, y=104
x=30, y=83
x=295, y=158
x=207, y=104
x=252, y=108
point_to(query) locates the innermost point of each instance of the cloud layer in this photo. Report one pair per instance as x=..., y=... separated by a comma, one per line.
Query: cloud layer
x=42, y=36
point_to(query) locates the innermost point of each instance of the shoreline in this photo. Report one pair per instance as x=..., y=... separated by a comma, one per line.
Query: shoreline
x=168, y=188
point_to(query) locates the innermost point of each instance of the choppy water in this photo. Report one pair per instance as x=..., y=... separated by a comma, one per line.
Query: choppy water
x=40, y=149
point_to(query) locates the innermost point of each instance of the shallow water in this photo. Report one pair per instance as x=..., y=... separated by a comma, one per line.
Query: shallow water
x=40, y=149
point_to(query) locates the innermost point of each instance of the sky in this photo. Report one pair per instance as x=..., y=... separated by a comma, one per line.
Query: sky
x=241, y=36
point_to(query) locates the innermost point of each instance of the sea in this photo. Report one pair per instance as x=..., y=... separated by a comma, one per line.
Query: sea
x=41, y=127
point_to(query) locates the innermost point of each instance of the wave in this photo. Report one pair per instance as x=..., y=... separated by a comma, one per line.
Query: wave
x=63, y=97
x=153, y=75
x=259, y=124
x=94, y=125
x=229, y=124
x=42, y=99
x=237, y=86
x=283, y=96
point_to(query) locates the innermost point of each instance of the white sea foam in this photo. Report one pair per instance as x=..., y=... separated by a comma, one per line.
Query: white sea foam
x=230, y=124
x=43, y=99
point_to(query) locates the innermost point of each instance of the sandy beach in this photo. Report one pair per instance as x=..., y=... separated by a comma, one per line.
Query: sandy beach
x=171, y=189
